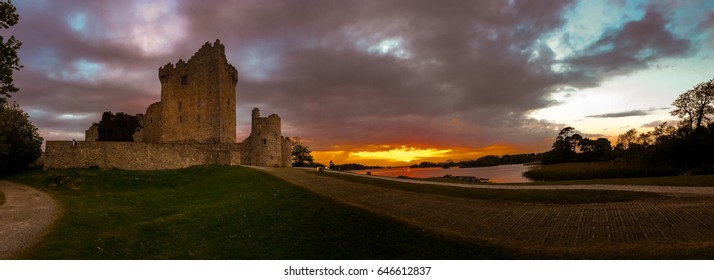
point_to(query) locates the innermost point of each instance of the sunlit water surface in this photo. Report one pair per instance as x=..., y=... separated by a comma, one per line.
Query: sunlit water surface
x=512, y=173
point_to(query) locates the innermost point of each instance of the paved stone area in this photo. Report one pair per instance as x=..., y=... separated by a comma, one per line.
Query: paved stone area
x=24, y=218
x=677, y=223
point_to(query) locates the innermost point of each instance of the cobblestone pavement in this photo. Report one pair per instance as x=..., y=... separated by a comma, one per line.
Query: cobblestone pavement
x=24, y=218
x=677, y=223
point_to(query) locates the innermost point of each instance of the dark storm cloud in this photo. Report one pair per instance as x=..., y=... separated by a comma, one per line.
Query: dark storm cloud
x=72, y=75
x=475, y=62
x=444, y=73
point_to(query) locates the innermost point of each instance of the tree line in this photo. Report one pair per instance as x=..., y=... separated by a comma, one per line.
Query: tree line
x=484, y=161
x=687, y=147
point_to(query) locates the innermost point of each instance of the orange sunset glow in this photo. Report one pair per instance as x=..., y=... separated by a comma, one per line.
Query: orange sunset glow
x=390, y=155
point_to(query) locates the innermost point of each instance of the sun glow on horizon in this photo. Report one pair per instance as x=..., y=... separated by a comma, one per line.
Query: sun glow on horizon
x=396, y=155
x=401, y=154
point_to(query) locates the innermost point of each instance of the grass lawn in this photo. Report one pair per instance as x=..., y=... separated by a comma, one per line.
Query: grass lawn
x=221, y=213
x=529, y=196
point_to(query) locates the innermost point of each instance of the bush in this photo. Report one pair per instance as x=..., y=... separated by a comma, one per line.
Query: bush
x=19, y=141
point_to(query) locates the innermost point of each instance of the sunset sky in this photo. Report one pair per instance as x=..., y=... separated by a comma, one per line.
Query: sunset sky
x=378, y=82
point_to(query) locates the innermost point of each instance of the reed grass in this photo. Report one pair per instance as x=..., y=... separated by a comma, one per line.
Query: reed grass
x=594, y=170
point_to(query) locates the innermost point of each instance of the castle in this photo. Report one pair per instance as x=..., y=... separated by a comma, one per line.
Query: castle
x=193, y=124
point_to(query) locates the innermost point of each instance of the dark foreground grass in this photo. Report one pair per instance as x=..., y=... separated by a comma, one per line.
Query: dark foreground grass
x=529, y=196
x=221, y=213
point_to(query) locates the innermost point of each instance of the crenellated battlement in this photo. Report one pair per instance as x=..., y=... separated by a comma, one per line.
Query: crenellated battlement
x=211, y=54
x=193, y=124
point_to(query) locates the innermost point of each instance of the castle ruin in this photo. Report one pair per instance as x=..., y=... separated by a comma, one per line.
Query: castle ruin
x=193, y=124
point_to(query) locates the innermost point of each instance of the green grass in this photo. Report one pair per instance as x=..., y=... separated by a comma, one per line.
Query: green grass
x=221, y=213
x=528, y=196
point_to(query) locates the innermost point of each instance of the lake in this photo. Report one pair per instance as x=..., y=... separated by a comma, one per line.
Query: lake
x=512, y=173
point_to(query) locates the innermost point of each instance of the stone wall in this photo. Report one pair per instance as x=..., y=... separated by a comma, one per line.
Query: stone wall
x=150, y=131
x=139, y=156
x=287, y=153
x=92, y=134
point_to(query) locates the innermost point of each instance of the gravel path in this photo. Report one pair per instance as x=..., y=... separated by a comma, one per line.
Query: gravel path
x=24, y=218
x=579, y=229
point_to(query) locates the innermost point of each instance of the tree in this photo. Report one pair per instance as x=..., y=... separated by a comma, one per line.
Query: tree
x=9, y=60
x=627, y=139
x=564, y=146
x=695, y=107
x=117, y=127
x=19, y=141
x=663, y=133
x=595, y=150
x=301, y=155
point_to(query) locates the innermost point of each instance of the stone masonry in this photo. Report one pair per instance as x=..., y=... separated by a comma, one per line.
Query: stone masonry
x=193, y=124
x=265, y=146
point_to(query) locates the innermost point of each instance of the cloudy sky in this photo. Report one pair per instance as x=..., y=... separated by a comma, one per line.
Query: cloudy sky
x=377, y=82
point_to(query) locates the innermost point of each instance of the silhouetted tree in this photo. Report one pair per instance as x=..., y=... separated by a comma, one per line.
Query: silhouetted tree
x=628, y=138
x=564, y=146
x=695, y=106
x=9, y=61
x=301, y=155
x=489, y=160
x=595, y=150
x=663, y=133
x=117, y=127
x=19, y=141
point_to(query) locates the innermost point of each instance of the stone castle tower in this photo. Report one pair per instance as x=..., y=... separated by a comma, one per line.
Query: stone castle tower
x=193, y=124
x=198, y=100
x=265, y=145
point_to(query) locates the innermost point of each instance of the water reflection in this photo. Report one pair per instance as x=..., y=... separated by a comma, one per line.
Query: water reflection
x=497, y=174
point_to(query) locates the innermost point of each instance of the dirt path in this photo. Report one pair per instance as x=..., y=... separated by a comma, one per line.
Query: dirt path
x=577, y=229
x=24, y=217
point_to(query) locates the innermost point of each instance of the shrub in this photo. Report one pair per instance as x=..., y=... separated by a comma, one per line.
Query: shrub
x=19, y=141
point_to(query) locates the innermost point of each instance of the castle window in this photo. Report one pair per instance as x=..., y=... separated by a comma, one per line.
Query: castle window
x=264, y=141
x=199, y=118
x=184, y=80
x=180, y=105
